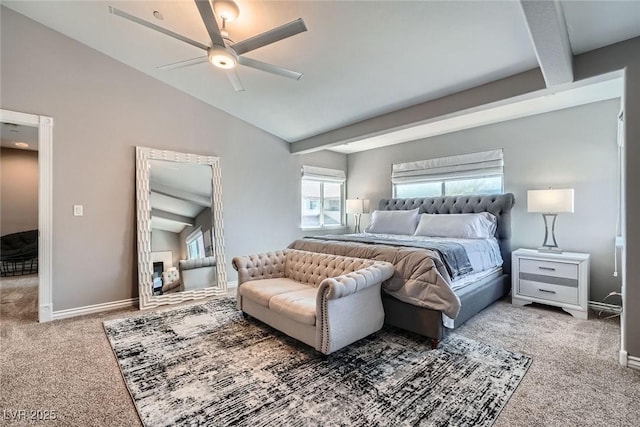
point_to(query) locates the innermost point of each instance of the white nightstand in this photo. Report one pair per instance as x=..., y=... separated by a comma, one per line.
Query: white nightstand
x=560, y=279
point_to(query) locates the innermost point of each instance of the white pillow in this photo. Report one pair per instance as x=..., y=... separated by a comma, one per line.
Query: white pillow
x=464, y=226
x=393, y=222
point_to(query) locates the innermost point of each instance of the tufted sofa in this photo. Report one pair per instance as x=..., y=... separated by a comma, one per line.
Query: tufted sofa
x=326, y=301
x=171, y=281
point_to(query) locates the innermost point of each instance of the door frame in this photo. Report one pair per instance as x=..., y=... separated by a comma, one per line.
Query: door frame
x=45, y=199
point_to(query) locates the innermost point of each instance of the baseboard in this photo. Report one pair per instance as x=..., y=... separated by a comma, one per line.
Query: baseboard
x=95, y=308
x=107, y=306
x=633, y=362
x=606, y=308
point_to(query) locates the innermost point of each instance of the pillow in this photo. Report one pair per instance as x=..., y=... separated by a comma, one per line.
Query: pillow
x=464, y=226
x=393, y=222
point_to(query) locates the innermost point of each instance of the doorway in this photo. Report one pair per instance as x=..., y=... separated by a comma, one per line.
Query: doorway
x=18, y=223
x=26, y=276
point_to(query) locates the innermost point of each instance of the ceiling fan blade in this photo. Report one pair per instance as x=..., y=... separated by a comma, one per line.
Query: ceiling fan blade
x=144, y=23
x=209, y=19
x=182, y=64
x=271, y=36
x=234, y=79
x=269, y=68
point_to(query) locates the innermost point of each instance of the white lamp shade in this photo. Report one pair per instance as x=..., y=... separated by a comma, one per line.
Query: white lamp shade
x=550, y=201
x=357, y=206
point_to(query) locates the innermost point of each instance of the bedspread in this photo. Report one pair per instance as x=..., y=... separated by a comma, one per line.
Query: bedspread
x=420, y=277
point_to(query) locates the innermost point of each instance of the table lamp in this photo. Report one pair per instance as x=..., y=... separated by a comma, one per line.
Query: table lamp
x=550, y=203
x=357, y=207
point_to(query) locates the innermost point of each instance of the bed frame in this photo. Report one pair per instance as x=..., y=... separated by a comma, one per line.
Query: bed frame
x=428, y=322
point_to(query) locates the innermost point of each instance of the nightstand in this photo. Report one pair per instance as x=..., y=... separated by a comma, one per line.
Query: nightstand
x=558, y=279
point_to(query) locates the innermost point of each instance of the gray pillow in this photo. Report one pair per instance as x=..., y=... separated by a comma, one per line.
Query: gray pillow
x=393, y=222
x=465, y=226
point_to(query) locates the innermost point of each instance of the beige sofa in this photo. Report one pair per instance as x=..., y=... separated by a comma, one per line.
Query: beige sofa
x=326, y=301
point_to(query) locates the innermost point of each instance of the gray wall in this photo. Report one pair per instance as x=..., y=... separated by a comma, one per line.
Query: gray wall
x=572, y=148
x=162, y=240
x=18, y=190
x=102, y=109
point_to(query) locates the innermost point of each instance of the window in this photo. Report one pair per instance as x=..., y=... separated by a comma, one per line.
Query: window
x=322, y=197
x=195, y=244
x=475, y=173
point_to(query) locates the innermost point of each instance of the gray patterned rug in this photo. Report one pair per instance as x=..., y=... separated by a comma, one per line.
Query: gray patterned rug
x=207, y=365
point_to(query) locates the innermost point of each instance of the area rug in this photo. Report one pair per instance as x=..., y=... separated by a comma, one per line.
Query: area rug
x=208, y=365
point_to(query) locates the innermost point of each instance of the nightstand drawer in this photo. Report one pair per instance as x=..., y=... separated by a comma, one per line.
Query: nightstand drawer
x=549, y=268
x=549, y=292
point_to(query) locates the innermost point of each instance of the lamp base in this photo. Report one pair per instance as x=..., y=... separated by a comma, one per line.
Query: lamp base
x=357, y=223
x=550, y=245
x=550, y=250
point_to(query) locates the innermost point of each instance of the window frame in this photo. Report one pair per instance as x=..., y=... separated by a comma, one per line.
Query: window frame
x=444, y=180
x=322, y=225
x=197, y=237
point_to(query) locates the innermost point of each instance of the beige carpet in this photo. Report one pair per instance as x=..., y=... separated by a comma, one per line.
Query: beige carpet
x=19, y=298
x=67, y=366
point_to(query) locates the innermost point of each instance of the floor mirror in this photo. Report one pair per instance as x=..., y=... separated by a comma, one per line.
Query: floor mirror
x=180, y=233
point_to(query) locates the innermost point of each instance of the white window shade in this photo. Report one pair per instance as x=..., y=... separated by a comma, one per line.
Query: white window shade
x=485, y=163
x=323, y=174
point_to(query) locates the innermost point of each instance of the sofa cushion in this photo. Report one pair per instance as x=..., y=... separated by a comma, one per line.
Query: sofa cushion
x=261, y=291
x=296, y=305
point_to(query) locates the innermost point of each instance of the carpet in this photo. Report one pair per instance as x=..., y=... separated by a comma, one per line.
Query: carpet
x=208, y=365
x=19, y=299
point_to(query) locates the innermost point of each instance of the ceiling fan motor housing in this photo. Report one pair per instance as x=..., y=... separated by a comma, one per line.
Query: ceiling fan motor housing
x=222, y=57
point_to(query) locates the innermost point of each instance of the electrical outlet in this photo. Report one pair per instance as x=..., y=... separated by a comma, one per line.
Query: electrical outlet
x=77, y=210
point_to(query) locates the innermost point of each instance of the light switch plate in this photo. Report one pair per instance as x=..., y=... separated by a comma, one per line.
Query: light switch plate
x=77, y=210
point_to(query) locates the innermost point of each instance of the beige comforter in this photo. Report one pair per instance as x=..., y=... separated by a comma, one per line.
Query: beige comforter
x=420, y=277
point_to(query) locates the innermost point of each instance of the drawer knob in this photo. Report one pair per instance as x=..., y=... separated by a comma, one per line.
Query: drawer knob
x=547, y=268
x=547, y=291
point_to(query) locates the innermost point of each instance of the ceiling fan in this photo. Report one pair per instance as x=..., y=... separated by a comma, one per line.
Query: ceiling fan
x=223, y=52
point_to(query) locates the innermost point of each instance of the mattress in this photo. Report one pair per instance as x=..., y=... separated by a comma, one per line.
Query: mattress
x=484, y=254
x=472, y=278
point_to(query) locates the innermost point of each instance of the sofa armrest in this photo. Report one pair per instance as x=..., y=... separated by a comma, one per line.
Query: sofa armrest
x=358, y=280
x=268, y=265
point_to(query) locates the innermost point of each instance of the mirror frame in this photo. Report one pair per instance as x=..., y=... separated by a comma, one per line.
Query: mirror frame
x=145, y=266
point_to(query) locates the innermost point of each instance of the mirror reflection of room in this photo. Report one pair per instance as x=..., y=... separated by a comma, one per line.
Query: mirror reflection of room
x=181, y=226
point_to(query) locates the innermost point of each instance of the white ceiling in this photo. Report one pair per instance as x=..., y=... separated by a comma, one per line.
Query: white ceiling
x=360, y=58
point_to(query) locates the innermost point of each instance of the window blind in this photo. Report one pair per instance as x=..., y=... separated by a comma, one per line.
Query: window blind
x=323, y=174
x=485, y=163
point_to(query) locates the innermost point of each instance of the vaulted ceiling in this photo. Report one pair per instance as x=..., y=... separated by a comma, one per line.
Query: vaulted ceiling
x=360, y=59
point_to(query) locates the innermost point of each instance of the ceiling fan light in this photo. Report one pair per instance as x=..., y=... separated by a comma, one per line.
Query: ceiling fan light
x=222, y=57
x=226, y=9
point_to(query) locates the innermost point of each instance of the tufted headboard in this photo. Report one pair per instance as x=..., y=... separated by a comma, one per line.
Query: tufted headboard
x=497, y=204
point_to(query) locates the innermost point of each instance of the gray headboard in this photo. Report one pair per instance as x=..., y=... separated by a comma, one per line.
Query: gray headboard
x=497, y=204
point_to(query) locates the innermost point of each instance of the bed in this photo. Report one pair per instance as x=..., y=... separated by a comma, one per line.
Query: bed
x=432, y=291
